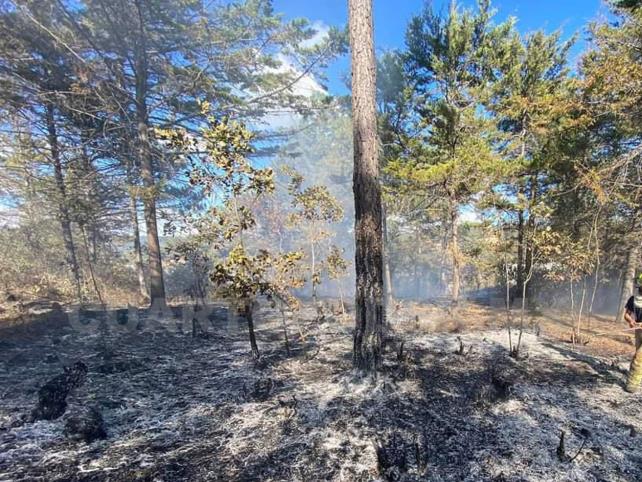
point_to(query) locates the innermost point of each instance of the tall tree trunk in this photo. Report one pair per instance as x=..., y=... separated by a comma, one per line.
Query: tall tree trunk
x=63, y=211
x=367, y=191
x=156, y=283
x=629, y=274
x=454, y=249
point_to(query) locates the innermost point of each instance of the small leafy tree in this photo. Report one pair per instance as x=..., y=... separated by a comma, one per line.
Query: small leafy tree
x=337, y=268
x=221, y=171
x=314, y=208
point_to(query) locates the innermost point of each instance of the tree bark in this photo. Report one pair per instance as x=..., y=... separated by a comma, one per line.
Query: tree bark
x=367, y=191
x=629, y=274
x=63, y=211
x=156, y=283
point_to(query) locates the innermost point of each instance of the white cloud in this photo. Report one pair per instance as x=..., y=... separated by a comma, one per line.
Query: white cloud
x=306, y=86
x=320, y=35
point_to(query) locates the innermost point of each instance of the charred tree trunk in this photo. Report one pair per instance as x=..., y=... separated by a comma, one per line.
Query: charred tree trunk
x=367, y=191
x=629, y=274
x=63, y=211
x=156, y=283
x=249, y=315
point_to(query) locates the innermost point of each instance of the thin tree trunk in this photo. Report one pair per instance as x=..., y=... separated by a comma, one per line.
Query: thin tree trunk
x=91, y=268
x=596, y=278
x=528, y=255
x=156, y=283
x=522, y=314
x=415, y=268
x=284, y=325
x=138, y=253
x=65, y=222
x=508, y=320
x=314, y=267
x=627, y=285
x=520, y=252
x=250, y=325
x=367, y=191
x=133, y=215
x=94, y=243
x=578, y=329
x=521, y=265
x=89, y=178
x=386, y=262
x=454, y=249
x=442, y=265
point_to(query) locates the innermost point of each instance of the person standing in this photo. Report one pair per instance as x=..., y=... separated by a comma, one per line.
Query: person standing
x=633, y=316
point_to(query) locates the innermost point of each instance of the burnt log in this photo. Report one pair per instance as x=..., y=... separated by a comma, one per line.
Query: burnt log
x=52, y=396
x=86, y=424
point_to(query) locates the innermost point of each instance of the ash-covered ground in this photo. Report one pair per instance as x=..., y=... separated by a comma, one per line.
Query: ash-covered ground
x=448, y=407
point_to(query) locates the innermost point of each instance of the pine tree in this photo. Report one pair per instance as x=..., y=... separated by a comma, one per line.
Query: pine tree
x=453, y=157
x=367, y=191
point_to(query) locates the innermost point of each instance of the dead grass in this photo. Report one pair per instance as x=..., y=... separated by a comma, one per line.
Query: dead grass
x=601, y=335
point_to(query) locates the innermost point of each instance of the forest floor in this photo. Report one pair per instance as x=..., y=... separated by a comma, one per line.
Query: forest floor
x=600, y=334
x=451, y=405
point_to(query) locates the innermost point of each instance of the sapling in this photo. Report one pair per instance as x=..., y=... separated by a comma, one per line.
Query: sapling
x=231, y=186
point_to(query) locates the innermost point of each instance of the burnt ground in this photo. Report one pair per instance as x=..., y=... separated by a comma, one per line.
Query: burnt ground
x=183, y=408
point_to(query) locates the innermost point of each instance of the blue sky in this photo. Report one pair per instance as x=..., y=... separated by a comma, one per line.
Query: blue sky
x=392, y=16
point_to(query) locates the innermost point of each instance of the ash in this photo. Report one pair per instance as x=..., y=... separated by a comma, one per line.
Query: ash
x=447, y=407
